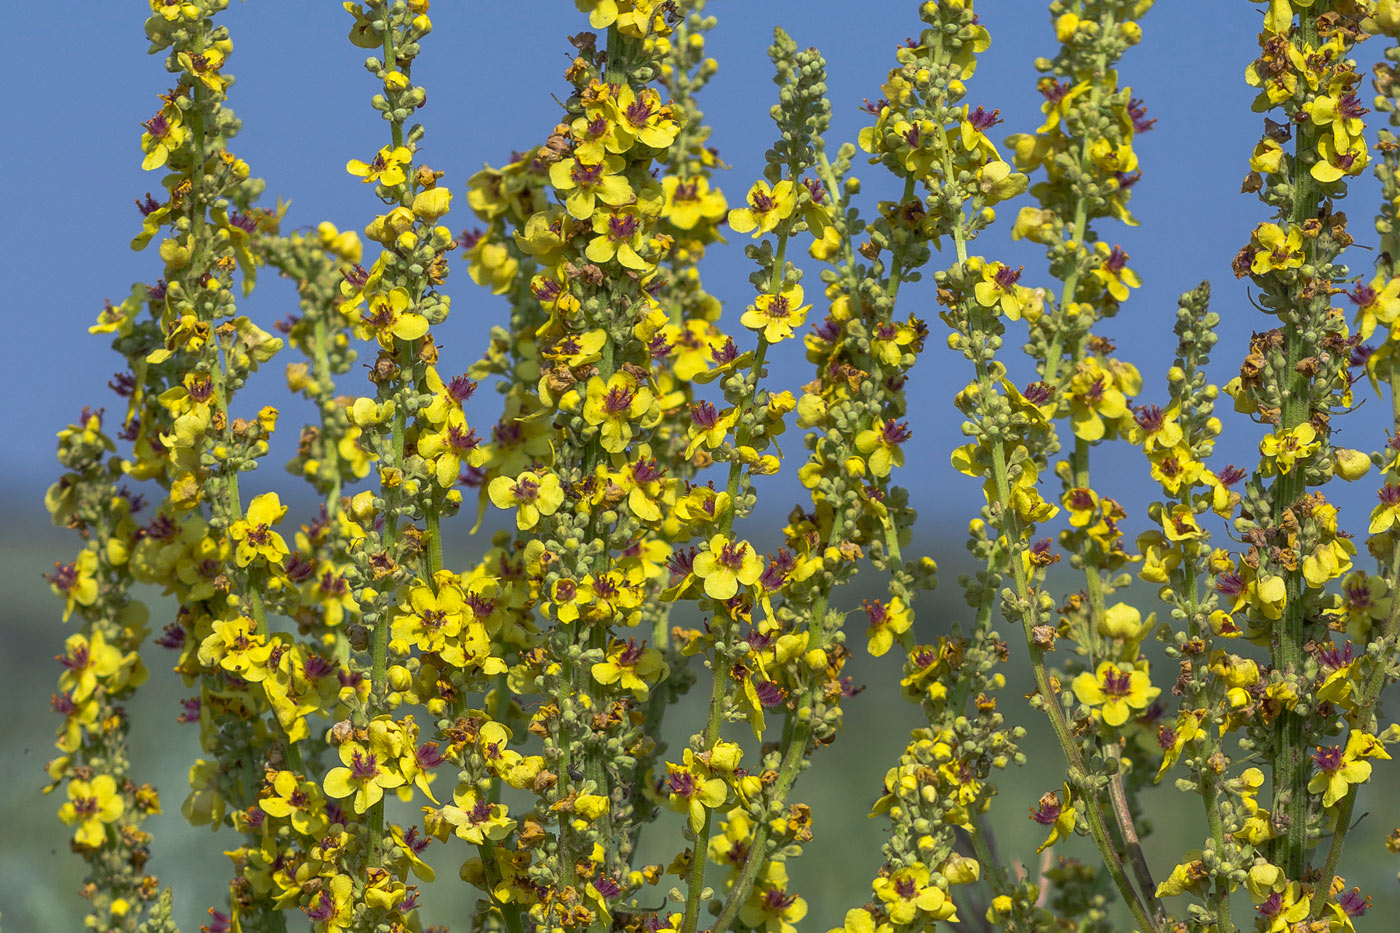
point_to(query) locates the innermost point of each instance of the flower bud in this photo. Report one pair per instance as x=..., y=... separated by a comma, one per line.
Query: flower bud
x=1350, y=464
x=431, y=204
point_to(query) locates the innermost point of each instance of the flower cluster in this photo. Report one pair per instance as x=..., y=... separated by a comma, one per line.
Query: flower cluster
x=358, y=703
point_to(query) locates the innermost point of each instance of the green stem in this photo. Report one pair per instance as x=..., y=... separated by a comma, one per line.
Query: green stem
x=321, y=362
x=787, y=775
x=1290, y=771
x=379, y=641
x=1122, y=812
x=828, y=177
x=1079, y=774
x=742, y=436
x=509, y=909
x=1210, y=780
x=432, y=542
x=699, y=852
x=1079, y=228
x=1220, y=890
x=1081, y=219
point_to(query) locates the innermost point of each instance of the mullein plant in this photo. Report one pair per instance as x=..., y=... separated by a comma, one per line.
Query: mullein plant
x=512, y=711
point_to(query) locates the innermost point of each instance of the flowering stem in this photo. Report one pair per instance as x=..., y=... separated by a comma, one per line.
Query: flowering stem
x=787, y=774
x=509, y=909
x=1290, y=773
x=379, y=643
x=1078, y=772
x=1055, y=354
x=1122, y=813
x=1210, y=778
x=794, y=747
x=699, y=851
x=1370, y=693
x=741, y=436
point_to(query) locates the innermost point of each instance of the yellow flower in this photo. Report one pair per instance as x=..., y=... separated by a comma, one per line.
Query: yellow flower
x=1058, y=814
x=1113, y=159
x=641, y=117
x=769, y=907
x=234, y=646
x=999, y=288
x=430, y=620
x=601, y=13
x=298, y=801
x=1096, y=401
x=1188, y=876
x=908, y=892
x=1276, y=250
x=75, y=582
x=476, y=820
x=1339, y=768
x=253, y=532
x=389, y=317
x=368, y=772
x=530, y=494
x=690, y=201
x=1284, y=908
x=1335, y=160
x=85, y=663
x=1125, y=622
x=692, y=347
x=165, y=132
x=1082, y=504
x=618, y=235
x=451, y=445
x=590, y=182
x=1117, y=691
x=1284, y=448
x=1364, y=601
x=387, y=166
x=883, y=446
x=1154, y=428
x=205, y=65
x=775, y=316
x=1387, y=514
x=886, y=622
x=91, y=806
x=708, y=427
x=1113, y=272
x=691, y=789
x=616, y=406
x=631, y=666
x=432, y=204
x=1173, y=739
x=764, y=208
x=726, y=565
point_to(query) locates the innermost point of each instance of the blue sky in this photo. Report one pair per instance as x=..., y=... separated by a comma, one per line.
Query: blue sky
x=490, y=70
